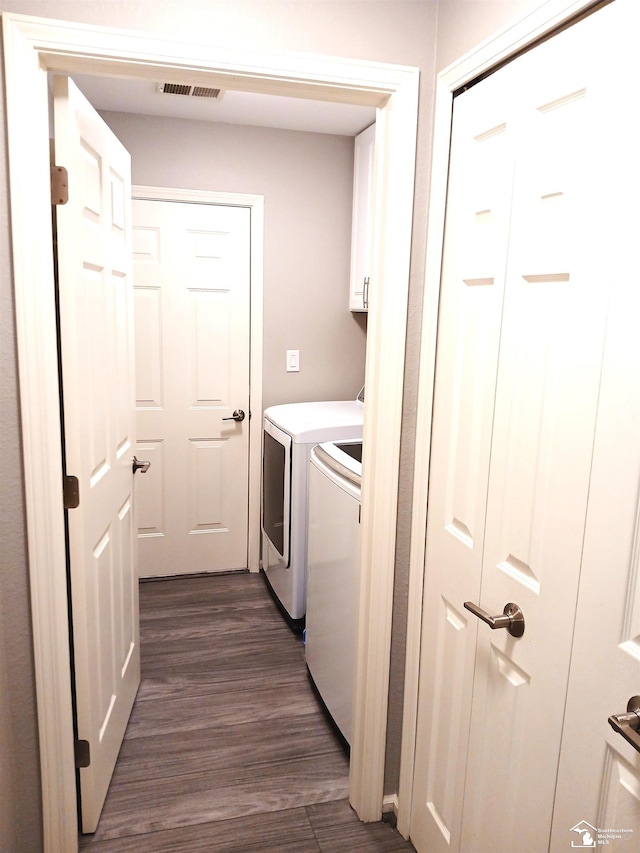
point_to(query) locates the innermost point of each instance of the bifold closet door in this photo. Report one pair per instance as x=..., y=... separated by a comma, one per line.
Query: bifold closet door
x=599, y=772
x=474, y=264
x=514, y=425
x=554, y=319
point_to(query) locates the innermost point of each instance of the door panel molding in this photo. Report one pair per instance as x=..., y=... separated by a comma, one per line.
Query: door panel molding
x=34, y=46
x=255, y=203
x=505, y=44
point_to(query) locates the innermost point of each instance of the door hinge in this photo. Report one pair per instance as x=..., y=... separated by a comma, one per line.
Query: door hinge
x=82, y=752
x=59, y=185
x=71, y=492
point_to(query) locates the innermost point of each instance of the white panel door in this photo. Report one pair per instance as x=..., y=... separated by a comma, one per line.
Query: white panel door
x=192, y=289
x=96, y=331
x=490, y=728
x=554, y=318
x=478, y=217
x=605, y=670
x=599, y=774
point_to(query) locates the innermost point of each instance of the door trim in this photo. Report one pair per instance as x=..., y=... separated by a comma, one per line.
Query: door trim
x=34, y=46
x=255, y=203
x=507, y=43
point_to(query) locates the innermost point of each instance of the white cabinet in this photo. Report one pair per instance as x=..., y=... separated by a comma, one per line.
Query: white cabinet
x=362, y=222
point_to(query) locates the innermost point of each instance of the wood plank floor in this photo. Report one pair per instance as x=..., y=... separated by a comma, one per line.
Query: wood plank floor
x=227, y=748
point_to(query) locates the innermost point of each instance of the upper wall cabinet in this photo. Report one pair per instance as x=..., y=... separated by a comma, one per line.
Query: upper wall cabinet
x=362, y=223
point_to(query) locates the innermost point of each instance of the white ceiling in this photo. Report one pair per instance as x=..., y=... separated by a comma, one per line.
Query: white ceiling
x=143, y=98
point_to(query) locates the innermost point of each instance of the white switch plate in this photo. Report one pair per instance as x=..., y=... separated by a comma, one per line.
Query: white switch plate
x=293, y=361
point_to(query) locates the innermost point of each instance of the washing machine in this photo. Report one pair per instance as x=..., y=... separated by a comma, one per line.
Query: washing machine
x=290, y=432
x=333, y=545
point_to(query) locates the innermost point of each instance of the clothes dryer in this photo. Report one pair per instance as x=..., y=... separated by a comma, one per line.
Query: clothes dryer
x=290, y=432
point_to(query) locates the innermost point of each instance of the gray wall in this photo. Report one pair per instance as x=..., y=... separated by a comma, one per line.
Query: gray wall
x=398, y=31
x=307, y=183
x=20, y=821
x=464, y=24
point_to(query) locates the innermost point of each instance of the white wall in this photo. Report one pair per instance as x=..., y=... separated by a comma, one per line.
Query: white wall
x=463, y=24
x=306, y=180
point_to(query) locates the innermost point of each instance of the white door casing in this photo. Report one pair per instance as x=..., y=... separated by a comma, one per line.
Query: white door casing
x=97, y=357
x=192, y=296
x=34, y=46
x=555, y=309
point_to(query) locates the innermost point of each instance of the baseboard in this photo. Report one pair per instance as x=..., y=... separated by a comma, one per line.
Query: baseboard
x=390, y=805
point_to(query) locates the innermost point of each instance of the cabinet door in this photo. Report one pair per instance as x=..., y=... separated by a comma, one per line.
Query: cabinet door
x=362, y=222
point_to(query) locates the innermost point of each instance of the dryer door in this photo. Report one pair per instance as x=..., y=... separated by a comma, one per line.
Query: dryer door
x=276, y=489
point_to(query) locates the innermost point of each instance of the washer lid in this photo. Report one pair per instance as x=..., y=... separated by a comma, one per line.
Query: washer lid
x=316, y=422
x=343, y=458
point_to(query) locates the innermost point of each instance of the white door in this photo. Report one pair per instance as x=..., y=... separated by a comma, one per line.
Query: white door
x=478, y=216
x=192, y=289
x=492, y=705
x=605, y=667
x=96, y=332
x=553, y=325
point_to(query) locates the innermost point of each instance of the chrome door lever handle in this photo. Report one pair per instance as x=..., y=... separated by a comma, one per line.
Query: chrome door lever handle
x=628, y=725
x=143, y=467
x=238, y=415
x=512, y=618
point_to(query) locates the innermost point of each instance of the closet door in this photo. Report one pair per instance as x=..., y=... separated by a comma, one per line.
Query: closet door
x=474, y=264
x=605, y=667
x=509, y=527
x=553, y=328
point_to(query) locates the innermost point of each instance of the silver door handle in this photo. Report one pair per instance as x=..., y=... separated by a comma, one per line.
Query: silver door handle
x=238, y=415
x=628, y=725
x=512, y=618
x=140, y=466
x=365, y=294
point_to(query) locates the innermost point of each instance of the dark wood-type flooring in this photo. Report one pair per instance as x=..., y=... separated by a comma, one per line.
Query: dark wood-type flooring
x=227, y=748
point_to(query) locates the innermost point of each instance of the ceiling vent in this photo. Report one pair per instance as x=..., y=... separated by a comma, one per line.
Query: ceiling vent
x=189, y=91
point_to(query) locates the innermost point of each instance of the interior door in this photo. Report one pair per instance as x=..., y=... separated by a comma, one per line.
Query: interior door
x=488, y=756
x=605, y=667
x=192, y=310
x=96, y=335
x=478, y=218
x=554, y=320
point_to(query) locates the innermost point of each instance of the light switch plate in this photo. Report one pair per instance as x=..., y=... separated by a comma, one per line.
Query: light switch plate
x=293, y=361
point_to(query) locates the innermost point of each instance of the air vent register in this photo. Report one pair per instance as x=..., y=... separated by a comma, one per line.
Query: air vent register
x=189, y=91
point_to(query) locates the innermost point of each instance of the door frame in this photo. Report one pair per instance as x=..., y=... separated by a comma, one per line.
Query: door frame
x=255, y=204
x=35, y=46
x=537, y=25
